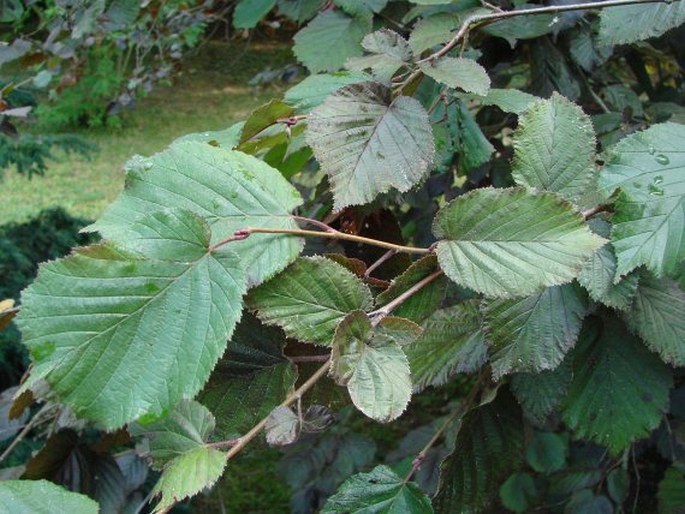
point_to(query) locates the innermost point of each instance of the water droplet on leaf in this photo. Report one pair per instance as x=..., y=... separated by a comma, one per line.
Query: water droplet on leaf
x=662, y=159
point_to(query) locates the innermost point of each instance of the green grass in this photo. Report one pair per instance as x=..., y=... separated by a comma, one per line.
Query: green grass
x=211, y=94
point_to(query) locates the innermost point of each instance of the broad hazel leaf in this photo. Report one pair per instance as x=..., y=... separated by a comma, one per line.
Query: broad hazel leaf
x=367, y=142
x=388, y=52
x=629, y=23
x=658, y=316
x=487, y=450
x=597, y=275
x=189, y=475
x=458, y=72
x=511, y=242
x=187, y=427
x=380, y=491
x=510, y=100
x=539, y=393
x=247, y=13
x=330, y=39
x=42, y=497
x=251, y=379
x=106, y=327
x=534, y=333
x=649, y=220
x=310, y=298
x=451, y=343
x=619, y=390
x=370, y=362
x=432, y=30
x=314, y=89
x=554, y=149
x=229, y=189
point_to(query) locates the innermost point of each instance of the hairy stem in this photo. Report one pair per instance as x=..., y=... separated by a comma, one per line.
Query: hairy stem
x=392, y=305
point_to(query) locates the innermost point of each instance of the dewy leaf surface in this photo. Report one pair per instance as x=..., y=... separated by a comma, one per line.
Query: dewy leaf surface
x=330, y=39
x=511, y=242
x=534, y=333
x=370, y=362
x=42, y=497
x=118, y=336
x=658, y=315
x=310, y=298
x=649, y=224
x=619, y=390
x=451, y=343
x=459, y=72
x=367, y=142
x=554, y=148
x=629, y=23
x=229, y=189
x=380, y=491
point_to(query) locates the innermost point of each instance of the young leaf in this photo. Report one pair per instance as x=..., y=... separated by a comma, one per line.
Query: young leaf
x=109, y=328
x=388, y=52
x=554, y=148
x=263, y=117
x=547, y=452
x=229, y=189
x=422, y=304
x=629, y=23
x=534, y=333
x=539, y=393
x=310, y=298
x=367, y=142
x=619, y=389
x=511, y=242
x=451, y=343
x=247, y=13
x=314, y=89
x=282, y=426
x=250, y=380
x=330, y=39
x=381, y=490
x=432, y=31
x=459, y=72
x=488, y=448
x=42, y=497
x=649, y=224
x=370, y=362
x=657, y=315
x=597, y=275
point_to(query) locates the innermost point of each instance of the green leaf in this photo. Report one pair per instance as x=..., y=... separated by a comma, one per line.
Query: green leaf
x=518, y=493
x=388, y=52
x=657, y=315
x=248, y=12
x=227, y=138
x=630, y=23
x=521, y=27
x=649, y=224
x=551, y=71
x=282, y=426
x=229, y=189
x=554, y=149
x=587, y=502
x=597, y=275
x=421, y=304
x=459, y=72
x=619, y=390
x=539, y=393
x=380, y=491
x=618, y=485
x=330, y=39
x=188, y=475
x=263, y=117
x=42, y=497
x=310, y=298
x=367, y=142
x=534, y=333
x=451, y=343
x=509, y=100
x=250, y=380
x=671, y=494
x=299, y=10
x=370, y=362
x=314, y=89
x=96, y=321
x=547, y=452
x=431, y=31
x=511, y=242
x=488, y=448
x=355, y=7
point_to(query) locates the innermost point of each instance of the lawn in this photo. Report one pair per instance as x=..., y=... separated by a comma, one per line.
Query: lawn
x=211, y=94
